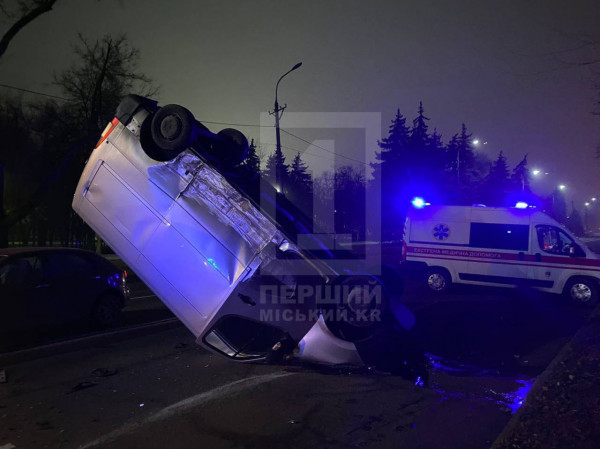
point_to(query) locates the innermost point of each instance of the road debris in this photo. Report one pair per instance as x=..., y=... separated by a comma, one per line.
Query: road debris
x=83, y=386
x=104, y=372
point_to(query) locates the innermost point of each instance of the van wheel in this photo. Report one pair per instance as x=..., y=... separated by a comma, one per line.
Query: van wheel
x=438, y=280
x=234, y=147
x=171, y=129
x=361, y=311
x=582, y=290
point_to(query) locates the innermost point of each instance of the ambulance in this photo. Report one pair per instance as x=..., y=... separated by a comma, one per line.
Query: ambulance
x=517, y=246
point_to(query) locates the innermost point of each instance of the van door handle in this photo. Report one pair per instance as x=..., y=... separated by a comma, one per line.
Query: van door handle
x=538, y=257
x=521, y=255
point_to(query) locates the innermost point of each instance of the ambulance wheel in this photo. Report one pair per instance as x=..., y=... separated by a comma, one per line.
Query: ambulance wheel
x=438, y=280
x=171, y=129
x=582, y=290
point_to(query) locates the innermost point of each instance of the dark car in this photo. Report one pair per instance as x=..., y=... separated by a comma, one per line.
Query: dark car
x=42, y=287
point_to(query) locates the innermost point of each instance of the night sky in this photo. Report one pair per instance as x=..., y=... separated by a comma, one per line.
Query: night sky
x=504, y=68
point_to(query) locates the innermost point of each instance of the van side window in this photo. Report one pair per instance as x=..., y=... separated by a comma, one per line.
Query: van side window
x=499, y=236
x=554, y=241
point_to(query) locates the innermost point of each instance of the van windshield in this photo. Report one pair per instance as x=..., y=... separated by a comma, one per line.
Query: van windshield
x=554, y=241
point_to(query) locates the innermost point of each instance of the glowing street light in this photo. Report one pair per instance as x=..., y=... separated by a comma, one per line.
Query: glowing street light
x=562, y=187
x=594, y=199
x=536, y=172
x=475, y=142
x=587, y=204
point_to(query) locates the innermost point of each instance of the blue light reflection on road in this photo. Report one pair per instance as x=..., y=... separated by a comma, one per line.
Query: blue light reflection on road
x=510, y=400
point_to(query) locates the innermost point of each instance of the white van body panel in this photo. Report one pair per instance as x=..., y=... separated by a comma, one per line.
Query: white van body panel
x=191, y=237
x=495, y=246
x=178, y=244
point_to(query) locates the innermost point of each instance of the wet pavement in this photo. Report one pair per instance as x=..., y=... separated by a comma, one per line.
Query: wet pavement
x=486, y=347
x=162, y=390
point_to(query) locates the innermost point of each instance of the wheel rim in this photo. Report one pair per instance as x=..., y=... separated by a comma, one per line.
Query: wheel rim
x=170, y=127
x=363, y=304
x=581, y=292
x=436, y=281
x=357, y=299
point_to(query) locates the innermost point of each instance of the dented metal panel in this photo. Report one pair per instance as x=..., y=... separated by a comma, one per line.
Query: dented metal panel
x=208, y=188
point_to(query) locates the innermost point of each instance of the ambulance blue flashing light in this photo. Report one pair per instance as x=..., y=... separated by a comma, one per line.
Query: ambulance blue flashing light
x=418, y=202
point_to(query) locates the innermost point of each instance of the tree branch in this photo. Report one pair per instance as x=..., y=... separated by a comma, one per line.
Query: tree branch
x=22, y=22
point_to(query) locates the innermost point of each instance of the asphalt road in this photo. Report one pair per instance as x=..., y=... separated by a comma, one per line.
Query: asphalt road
x=142, y=307
x=162, y=390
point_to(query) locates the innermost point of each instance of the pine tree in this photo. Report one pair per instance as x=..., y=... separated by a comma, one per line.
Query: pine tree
x=299, y=188
x=277, y=171
x=350, y=202
x=575, y=223
x=462, y=174
x=497, y=184
x=389, y=177
x=435, y=141
x=465, y=157
x=299, y=176
x=252, y=162
x=520, y=177
x=419, y=136
x=392, y=147
x=557, y=206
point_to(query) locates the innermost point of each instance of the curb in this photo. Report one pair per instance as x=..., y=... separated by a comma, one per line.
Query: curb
x=539, y=383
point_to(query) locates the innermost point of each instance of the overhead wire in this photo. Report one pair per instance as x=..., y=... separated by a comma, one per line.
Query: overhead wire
x=323, y=148
x=292, y=135
x=34, y=92
x=7, y=86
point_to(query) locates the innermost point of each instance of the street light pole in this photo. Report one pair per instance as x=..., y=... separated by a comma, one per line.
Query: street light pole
x=278, y=112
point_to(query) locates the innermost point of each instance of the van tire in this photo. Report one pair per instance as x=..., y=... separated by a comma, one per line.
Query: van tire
x=352, y=319
x=438, y=280
x=233, y=148
x=582, y=290
x=172, y=129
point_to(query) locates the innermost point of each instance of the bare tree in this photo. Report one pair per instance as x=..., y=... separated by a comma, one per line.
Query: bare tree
x=102, y=74
x=105, y=71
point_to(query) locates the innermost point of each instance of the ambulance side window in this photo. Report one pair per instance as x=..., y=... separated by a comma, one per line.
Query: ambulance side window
x=554, y=241
x=499, y=236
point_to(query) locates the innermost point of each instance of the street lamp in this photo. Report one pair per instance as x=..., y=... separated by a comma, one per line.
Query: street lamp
x=278, y=112
x=536, y=172
x=562, y=187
